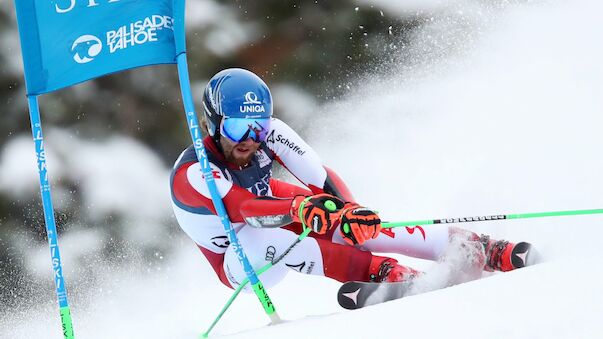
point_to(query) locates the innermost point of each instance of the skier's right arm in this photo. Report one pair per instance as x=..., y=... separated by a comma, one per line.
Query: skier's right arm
x=320, y=212
x=189, y=189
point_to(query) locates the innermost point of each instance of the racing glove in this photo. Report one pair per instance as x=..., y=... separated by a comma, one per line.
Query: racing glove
x=319, y=212
x=359, y=224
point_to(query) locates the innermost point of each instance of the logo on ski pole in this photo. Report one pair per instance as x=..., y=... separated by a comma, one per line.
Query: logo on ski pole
x=470, y=219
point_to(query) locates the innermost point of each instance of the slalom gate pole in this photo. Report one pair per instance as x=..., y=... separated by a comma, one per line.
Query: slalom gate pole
x=51, y=228
x=490, y=218
x=195, y=131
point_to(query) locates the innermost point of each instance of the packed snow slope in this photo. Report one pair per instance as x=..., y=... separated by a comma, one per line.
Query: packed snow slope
x=506, y=121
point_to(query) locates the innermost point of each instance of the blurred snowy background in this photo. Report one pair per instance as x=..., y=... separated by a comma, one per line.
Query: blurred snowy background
x=112, y=141
x=426, y=108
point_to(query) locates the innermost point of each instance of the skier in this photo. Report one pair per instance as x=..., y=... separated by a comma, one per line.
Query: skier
x=244, y=141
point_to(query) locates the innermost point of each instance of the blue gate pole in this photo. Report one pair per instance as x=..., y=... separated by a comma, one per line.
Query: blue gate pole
x=195, y=131
x=51, y=228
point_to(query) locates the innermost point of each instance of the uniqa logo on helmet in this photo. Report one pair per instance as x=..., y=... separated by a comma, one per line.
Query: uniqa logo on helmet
x=252, y=104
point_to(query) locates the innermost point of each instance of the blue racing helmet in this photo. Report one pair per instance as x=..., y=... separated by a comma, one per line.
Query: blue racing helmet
x=238, y=105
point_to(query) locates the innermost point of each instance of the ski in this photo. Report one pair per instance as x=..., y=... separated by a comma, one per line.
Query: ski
x=357, y=294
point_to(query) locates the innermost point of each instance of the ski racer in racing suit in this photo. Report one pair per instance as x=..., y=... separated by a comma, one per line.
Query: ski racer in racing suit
x=267, y=214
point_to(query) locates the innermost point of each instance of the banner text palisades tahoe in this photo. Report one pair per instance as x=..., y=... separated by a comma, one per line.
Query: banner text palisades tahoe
x=138, y=32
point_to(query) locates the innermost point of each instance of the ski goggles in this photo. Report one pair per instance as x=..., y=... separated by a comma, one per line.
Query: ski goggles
x=240, y=129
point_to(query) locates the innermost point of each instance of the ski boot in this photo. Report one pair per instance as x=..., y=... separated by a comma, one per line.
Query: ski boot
x=505, y=256
x=383, y=269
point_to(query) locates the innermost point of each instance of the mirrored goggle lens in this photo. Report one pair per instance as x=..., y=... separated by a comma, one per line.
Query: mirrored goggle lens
x=238, y=129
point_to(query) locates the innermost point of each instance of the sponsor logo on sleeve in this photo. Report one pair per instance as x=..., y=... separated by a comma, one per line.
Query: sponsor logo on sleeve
x=285, y=141
x=270, y=137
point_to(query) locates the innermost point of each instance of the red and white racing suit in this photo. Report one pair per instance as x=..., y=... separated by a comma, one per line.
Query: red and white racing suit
x=251, y=191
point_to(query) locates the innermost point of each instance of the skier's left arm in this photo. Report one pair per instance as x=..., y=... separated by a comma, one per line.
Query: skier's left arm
x=304, y=163
x=358, y=224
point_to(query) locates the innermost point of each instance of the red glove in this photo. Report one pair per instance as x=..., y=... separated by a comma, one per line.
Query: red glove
x=359, y=224
x=319, y=212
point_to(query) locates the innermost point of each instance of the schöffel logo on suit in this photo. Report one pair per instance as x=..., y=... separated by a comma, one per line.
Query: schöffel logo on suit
x=252, y=104
x=286, y=142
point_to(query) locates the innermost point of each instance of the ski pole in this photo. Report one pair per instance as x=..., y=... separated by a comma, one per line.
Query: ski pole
x=238, y=290
x=246, y=280
x=490, y=218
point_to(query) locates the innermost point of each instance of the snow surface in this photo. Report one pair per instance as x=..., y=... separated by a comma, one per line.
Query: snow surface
x=512, y=125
